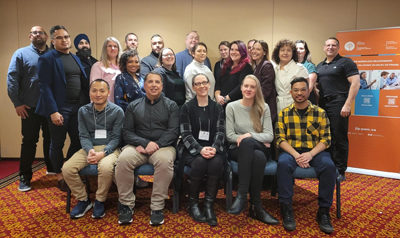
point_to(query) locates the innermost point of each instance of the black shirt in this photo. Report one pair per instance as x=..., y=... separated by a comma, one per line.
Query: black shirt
x=72, y=78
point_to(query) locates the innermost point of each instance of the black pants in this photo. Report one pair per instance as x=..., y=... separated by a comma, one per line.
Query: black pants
x=201, y=166
x=252, y=157
x=30, y=129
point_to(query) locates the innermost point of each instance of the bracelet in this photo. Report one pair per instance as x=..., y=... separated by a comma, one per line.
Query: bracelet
x=311, y=154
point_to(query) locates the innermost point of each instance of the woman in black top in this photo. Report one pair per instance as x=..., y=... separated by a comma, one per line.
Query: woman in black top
x=202, y=124
x=223, y=48
x=173, y=85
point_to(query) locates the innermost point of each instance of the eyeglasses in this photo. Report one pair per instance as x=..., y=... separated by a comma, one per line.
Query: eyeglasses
x=168, y=55
x=66, y=37
x=113, y=46
x=204, y=83
x=38, y=32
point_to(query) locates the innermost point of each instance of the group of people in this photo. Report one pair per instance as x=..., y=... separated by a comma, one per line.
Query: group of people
x=173, y=111
x=387, y=80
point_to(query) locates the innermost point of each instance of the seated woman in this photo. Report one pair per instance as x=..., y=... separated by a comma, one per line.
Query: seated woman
x=129, y=84
x=107, y=67
x=235, y=68
x=202, y=124
x=199, y=53
x=173, y=85
x=249, y=132
x=304, y=57
x=223, y=48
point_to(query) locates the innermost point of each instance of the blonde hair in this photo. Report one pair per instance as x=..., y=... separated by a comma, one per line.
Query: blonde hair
x=258, y=107
x=104, y=56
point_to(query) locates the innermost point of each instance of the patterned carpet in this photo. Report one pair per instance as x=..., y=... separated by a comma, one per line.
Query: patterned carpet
x=370, y=208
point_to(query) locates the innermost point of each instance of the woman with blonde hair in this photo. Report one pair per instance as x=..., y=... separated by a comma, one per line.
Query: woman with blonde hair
x=107, y=67
x=249, y=132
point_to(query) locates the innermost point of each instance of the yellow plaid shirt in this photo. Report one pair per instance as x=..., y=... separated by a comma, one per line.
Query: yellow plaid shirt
x=303, y=132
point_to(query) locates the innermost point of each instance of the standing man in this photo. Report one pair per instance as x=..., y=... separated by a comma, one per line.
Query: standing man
x=100, y=126
x=302, y=132
x=148, y=63
x=64, y=89
x=24, y=90
x=131, y=42
x=82, y=44
x=150, y=131
x=339, y=81
x=184, y=58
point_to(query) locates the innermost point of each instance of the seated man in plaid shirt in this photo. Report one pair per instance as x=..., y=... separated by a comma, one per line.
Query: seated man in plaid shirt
x=303, y=133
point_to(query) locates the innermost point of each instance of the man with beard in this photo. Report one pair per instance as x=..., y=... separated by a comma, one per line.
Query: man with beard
x=132, y=43
x=82, y=44
x=148, y=63
x=23, y=90
x=303, y=133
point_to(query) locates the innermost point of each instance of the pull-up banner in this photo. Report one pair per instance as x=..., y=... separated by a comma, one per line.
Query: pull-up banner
x=374, y=128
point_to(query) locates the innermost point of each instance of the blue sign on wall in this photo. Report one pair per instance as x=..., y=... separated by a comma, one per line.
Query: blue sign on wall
x=367, y=103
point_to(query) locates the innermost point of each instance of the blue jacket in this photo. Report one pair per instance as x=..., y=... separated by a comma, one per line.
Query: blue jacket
x=53, y=83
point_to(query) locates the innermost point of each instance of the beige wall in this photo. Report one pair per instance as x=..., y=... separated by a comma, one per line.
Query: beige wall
x=270, y=20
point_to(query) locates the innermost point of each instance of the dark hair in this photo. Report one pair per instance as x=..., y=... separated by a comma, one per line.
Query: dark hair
x=159, y=61
x=153, y=72
x=126, y=37
x=279, y=45
x=197, y=45
x=251, y=41
x=307, y=56
x=265, y=47
x=384, y=73
x=363, y=72
x=225, y=43
x=298, y=80
x=101, y=81
x=55, y=28
x=124, y=59
x=156, y=35
x=198, y=74
x=244, y=59
x=333, y=38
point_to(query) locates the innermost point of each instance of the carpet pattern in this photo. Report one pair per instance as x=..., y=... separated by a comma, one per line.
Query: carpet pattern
x=14, y=176
x=370, y=208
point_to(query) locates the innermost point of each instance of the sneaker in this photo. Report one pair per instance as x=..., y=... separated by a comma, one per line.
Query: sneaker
x=140, y=183
x=288, y=217
x=341, y=178
x=98, y=210
x=24, y=185
x=80, y=209
x=125, y=215
x=324, y=220
x=50, y=173
x=157, y=217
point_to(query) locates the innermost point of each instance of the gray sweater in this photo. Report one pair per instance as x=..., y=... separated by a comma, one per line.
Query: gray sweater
x=238, y=122
x=114, y=121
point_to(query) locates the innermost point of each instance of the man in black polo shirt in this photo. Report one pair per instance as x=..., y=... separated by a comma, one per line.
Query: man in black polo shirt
x=339, y=82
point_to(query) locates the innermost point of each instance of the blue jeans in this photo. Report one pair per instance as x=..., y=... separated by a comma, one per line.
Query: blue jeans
x=326, y=174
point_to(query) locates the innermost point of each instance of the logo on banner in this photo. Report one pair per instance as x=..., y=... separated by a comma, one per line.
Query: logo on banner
x=349, y=46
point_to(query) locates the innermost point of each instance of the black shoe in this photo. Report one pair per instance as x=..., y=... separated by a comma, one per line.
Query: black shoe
x=258, y=212
x=238, y=205
x=324, y=220
x=24, y=184
x=125, y=215
x=211, y=194
x=62, y=185
x=156, y=218
x=288, y=217
x=193, y=194
x=341, y=178
x=98, y=210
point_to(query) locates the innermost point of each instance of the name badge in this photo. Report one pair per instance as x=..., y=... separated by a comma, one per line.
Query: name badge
x=100, y=134
x=204, y=135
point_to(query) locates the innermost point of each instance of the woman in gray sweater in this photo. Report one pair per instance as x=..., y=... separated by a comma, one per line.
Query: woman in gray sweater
x=249, y=132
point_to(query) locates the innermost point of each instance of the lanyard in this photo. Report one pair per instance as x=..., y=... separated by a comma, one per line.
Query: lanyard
x=105, y=118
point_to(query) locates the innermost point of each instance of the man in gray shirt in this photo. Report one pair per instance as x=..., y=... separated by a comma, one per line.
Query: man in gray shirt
x=150, y=129
x=100, y=126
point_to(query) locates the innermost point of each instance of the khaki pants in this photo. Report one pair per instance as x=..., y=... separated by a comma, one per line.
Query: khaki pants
x=129, y=159
x=106, y=171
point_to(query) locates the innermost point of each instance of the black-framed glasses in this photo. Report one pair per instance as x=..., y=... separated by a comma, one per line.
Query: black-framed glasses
x=38, y=32
x=198, y=84
x=66, y=37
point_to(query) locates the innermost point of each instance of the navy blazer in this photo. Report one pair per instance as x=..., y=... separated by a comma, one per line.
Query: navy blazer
x=53, y=83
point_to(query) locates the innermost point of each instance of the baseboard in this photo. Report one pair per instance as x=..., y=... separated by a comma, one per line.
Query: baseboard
x=373, y=173
x=17, y=159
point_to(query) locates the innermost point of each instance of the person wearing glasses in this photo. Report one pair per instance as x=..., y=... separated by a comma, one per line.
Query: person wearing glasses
x=107, y=67
x=199, y=53
x=64, y=89
x=23, y=90
x=202, y=124
x=174, y=87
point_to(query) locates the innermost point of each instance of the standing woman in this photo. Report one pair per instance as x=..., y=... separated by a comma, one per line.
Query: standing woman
x=224, y=52
x=202, y=124
x=264, y=71
x=286, y=69
x=304, y=57
x=199, y=54
x=128, y=84
x=234, y=69
x=107, y=67
x=249, y=132
x=173, y=85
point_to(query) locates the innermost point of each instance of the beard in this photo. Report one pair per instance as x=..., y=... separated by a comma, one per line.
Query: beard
x=84, y=52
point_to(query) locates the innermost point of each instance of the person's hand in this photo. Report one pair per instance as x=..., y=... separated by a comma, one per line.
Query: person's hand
x=220, y=99
x=345, y=112
x=140, y=149
x=303, y=160
x=208, y=152
x=151, y=147
x=21, y=111
x=241, y=137
x=266, y=144
x=57, y=119
x=94, y=157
